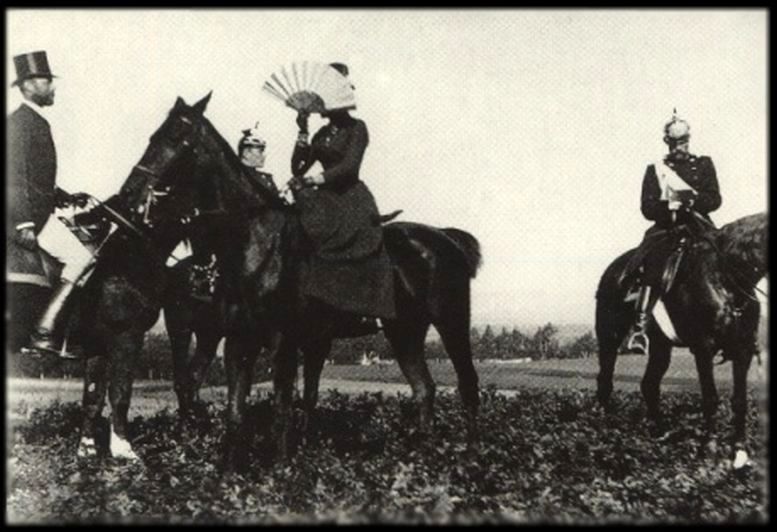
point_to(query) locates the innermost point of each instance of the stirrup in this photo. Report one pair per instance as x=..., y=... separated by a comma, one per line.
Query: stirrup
x=41, y=345
x=639, y=342
x=67, y=355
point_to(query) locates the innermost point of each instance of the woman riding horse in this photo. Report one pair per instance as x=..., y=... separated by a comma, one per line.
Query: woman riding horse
x=260, y=259
x=347, y=267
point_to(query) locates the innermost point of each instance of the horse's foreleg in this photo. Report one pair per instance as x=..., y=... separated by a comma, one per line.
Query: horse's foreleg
x=740, y=367
x=95, y=387
x=124, y=351
x=407, y=340
x=284, y=354
x=207, y=343
x=709, y=394
x=239, y=357
x=658, y=362
x=180, y=339
x=315, y=356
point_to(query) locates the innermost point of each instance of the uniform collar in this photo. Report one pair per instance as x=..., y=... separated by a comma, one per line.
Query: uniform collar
x=676, y=157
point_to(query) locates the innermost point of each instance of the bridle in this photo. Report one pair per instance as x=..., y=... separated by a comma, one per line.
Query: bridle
x=154, y=175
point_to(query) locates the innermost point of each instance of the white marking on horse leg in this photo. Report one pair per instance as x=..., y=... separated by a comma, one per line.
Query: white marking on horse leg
x=741, y=459
x=86, y=448
x=121, y=448
x=91, y=387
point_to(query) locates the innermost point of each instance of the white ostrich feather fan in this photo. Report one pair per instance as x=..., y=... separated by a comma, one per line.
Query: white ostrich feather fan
x=311, y=86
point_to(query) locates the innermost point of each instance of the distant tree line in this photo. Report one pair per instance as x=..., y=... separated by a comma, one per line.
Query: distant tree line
x=155, y=361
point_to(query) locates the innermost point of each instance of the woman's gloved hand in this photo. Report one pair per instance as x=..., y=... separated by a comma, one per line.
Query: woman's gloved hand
x=302, y=121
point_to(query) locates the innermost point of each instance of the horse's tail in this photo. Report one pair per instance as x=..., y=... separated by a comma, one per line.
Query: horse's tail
x=469, y=247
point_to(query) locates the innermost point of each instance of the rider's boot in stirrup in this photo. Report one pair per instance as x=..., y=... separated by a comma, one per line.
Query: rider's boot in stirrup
x=639, y=341
x=43, y=339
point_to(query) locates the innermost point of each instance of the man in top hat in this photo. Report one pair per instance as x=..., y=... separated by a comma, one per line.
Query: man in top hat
x=32, y=168
x=680, y=189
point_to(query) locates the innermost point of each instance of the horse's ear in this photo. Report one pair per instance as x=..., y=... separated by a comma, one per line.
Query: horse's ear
x=179, y=103
x=202, y=104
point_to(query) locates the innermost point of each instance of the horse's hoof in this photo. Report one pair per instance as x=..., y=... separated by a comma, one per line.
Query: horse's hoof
x=121, y=448
x=658, y=432
x=86, y=448
x=741, y=460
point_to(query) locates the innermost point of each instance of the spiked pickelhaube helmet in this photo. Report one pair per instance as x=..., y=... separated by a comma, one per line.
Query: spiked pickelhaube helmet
x=676, y=130
x=251, y=137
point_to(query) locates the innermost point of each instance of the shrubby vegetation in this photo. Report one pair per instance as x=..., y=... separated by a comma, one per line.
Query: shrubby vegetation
x=543, y=457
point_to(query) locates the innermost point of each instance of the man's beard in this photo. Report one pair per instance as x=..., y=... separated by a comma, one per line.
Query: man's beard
x=43, y=99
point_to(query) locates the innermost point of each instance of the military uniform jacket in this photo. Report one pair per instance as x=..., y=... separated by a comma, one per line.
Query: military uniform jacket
x=696, y=170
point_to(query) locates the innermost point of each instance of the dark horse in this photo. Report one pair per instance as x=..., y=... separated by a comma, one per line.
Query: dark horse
x=187, y=317
x=120, y=301
x=260, y=261
x=713, y=308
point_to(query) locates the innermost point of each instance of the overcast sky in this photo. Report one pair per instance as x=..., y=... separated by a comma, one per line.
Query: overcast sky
x=529, y=128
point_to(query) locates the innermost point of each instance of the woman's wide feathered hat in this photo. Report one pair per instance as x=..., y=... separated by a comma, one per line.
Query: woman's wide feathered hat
x=677, y=129
x=31, y=65
x=312, y=87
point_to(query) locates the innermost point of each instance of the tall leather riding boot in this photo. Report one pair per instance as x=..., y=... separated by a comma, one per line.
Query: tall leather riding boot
x=44, y=337
x=639, y=340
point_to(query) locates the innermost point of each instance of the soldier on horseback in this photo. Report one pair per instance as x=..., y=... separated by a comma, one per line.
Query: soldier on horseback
x=34, y=195
x=251, y=149
x=678, y=192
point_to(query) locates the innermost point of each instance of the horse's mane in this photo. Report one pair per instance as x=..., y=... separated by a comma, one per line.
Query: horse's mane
x=250, y=186
x=746, y=240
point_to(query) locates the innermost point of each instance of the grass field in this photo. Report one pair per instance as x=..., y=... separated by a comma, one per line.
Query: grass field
x=554, y=373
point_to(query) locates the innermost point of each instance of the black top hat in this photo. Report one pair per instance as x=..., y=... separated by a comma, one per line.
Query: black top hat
x=31, y=65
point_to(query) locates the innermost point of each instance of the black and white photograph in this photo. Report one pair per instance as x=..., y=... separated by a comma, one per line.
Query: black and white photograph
x=387, y=266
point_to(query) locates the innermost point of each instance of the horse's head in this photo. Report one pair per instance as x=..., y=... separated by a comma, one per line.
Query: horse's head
x=171, y=156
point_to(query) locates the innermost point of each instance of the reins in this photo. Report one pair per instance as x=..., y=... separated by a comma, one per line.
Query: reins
x=122, y=221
